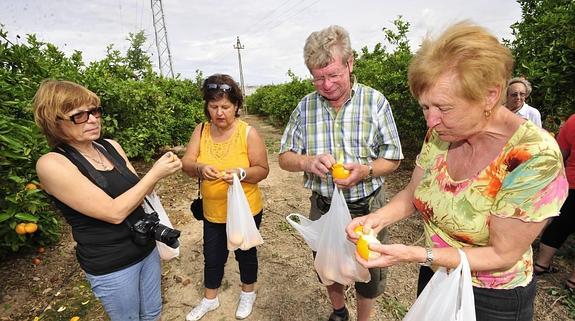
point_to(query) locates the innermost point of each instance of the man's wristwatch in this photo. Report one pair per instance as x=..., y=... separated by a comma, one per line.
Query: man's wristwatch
x=429, y=259
x=370, y=174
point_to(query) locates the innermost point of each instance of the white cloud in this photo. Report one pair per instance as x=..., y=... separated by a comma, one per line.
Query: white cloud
x=202, y=33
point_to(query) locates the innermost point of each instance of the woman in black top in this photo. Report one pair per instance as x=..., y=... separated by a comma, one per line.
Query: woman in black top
x=124, y=275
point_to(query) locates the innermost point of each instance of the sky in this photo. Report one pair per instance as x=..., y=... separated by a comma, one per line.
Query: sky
x=202, y=33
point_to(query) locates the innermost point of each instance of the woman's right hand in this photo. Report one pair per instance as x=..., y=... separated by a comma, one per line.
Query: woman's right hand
x=209, y=172
x=166, y=165
x=369, y=222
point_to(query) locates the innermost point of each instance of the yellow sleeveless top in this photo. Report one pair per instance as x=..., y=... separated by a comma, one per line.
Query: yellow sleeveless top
x=232, y=153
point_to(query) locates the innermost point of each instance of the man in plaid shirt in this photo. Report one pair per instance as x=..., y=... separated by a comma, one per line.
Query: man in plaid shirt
x=342, y=122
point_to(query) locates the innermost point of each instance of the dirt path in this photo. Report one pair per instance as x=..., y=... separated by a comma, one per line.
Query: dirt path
x=287, y=287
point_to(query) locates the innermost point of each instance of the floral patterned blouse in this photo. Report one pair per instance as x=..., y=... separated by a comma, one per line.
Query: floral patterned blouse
x=526, y=181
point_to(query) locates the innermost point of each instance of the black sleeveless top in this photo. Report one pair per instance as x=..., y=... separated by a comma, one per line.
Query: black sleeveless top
x=103, y=247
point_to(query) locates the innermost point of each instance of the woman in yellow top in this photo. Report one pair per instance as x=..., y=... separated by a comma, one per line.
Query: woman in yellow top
x=221, y=147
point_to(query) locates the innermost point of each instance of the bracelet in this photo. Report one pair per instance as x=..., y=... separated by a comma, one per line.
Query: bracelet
x=429, y=259
x=198, y=171
x=242, y=173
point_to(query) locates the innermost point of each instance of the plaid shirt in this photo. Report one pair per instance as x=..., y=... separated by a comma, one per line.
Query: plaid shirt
x=363, y=130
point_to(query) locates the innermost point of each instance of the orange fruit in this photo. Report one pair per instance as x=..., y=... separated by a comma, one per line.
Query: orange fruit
x=75, y=319
x=36, y=261
x=20, y=229
x=31, y=186
x=40, y=249
x=338, y=171
x=31, y=227
x=362, y=245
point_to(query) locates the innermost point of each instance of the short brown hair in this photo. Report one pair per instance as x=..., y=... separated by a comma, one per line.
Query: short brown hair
x=55, y=98
x=478, y=59
x=321, y=47
x=234, y=94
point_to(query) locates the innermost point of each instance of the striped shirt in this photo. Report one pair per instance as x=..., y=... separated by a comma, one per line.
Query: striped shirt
x=363, y=130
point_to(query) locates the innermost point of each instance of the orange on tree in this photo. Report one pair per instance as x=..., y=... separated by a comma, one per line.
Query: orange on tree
x=338, y=171
x=31, y=186
x=362, y=245
x=20, y=229
x=31, y=227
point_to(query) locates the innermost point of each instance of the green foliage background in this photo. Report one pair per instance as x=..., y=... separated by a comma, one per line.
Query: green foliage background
x=143, y=111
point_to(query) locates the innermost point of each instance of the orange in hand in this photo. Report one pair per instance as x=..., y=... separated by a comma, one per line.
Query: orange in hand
x=338, y=171
x=362, y=244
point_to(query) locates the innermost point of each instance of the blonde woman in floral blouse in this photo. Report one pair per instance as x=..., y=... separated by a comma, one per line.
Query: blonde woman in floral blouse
x=486, y=181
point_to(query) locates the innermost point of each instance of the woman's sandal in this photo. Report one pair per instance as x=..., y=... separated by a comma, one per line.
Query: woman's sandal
x=544, y=269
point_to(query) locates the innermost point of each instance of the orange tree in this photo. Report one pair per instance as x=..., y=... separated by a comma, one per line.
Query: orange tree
x=143, y=111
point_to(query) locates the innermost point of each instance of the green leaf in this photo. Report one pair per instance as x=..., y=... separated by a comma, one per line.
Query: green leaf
x=26, y=217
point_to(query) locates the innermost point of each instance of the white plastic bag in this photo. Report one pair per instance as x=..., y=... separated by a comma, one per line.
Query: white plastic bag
x=447, y=296
x=241, y=228
x=166, y=253
x=335, y=259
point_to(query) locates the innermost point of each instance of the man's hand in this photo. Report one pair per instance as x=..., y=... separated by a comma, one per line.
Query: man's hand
x=356, y=175
x=319, y=165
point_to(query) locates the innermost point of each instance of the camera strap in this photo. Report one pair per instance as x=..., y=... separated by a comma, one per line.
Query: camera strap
x=94, y=175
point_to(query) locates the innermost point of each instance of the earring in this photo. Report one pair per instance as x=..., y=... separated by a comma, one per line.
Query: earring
x=487, y=113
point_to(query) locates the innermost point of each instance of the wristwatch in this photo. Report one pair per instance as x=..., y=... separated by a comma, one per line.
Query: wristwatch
x=242, y=173
x=429, y=259
x=370, y=174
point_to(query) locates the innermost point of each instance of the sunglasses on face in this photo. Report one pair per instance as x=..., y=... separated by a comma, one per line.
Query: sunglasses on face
x=222, y=87
x=83, y=116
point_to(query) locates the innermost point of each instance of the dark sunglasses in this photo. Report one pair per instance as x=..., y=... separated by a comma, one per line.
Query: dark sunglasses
x=83, y=116
x=222, y=87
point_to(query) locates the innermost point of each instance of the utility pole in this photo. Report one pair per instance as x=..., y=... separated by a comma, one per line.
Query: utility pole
x=239, y=46
x=164, y=55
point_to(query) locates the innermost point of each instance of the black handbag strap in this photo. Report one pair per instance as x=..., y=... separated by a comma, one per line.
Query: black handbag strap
x=199, y=179
x=108, y=150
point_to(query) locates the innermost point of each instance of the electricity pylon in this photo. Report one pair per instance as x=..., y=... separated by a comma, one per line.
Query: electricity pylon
x=164, y=55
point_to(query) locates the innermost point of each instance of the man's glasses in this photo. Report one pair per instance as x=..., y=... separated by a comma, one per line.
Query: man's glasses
x=222, y=87
x=331, y=78
x=83, y=116
x=522, y=95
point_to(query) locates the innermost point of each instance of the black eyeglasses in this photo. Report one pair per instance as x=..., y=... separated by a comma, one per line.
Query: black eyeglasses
x=222, y=87
x=83, y=116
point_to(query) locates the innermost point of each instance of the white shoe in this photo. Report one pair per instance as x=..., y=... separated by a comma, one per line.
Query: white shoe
x=201, y=309
x=245, y=305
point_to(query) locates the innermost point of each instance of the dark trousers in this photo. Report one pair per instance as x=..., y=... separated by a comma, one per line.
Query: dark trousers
x=561, y=226
x=216, y=255
x=495, y=304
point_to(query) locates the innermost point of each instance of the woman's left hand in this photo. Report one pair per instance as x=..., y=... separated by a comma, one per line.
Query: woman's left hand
x=390, y=254
x=228, y=177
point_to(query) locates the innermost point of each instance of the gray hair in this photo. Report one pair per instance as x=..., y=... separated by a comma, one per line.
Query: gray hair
x=321, y=47
x=521, y=80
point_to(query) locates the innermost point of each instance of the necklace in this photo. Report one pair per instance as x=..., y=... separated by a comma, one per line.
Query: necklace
x=98, y=161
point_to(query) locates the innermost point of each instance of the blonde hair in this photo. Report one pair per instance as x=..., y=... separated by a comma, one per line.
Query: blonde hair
x=55, y=98
x=478, y=59
x=321, y=47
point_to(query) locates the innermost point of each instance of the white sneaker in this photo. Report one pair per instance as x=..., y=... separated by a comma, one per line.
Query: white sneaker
x=245, y=305
x=201, y=309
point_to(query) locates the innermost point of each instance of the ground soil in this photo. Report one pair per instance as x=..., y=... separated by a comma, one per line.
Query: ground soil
x=287, y=287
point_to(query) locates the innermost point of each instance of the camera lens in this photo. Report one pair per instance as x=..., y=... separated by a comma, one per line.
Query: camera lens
x=167, y=235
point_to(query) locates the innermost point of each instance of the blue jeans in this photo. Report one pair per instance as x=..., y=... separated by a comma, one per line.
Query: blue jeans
x=134, y=293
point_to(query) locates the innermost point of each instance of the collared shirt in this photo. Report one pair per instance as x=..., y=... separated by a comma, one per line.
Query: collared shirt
x=362, y=131
x=530, y=113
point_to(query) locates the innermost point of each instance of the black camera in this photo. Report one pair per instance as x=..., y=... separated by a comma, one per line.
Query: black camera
x=149, y=227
